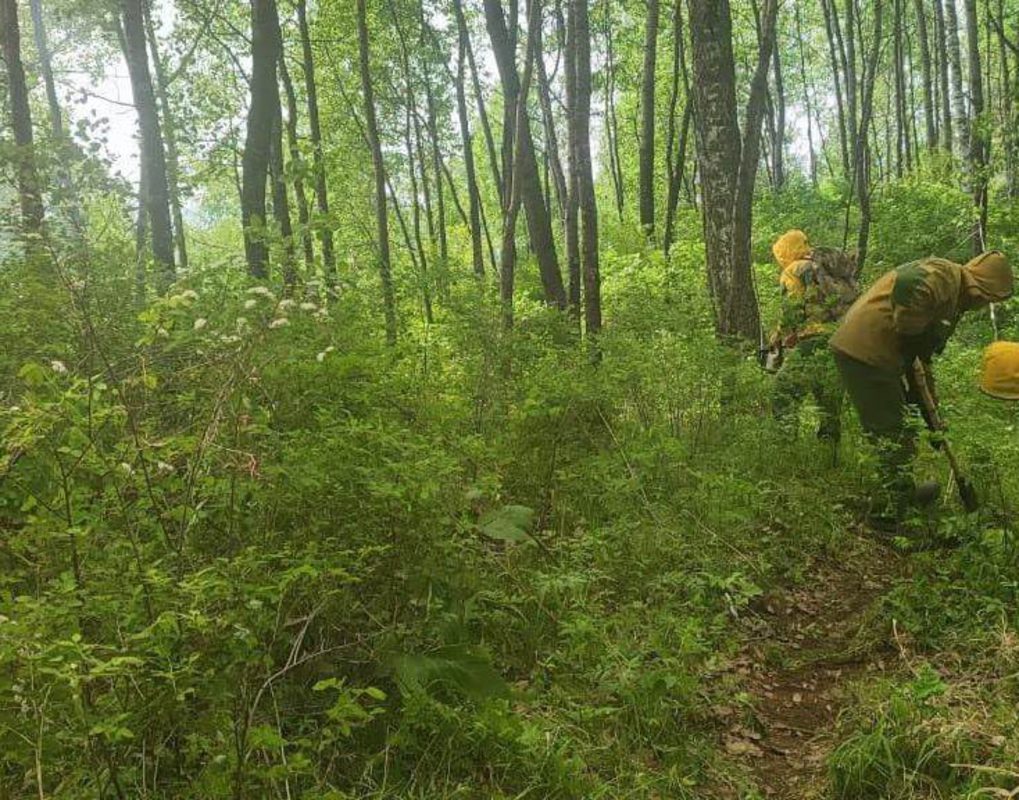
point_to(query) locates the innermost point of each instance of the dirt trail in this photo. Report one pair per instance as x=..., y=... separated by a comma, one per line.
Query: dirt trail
x=803, y=647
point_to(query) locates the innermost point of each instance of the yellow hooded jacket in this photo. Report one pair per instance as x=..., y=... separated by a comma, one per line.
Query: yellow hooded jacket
x=999, y=375
x=911, y=311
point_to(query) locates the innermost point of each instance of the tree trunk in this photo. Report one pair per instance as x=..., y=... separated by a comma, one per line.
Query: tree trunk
x=553, y=162
x=29, y=188
x=580, y=117
x=572, y=217
x=727, y=192
x=265, y=40
x=60, y=138
x=433, y=135
x=647, y=124
x=978, y=139
x=807, y=100
x=379, y=167
x=157, y=199
x=941, y=37
x=473, y=194
x=303, y=213
x=170, y=139
x=901, y=142
x=955, y=60
x=778, y=144
x=538, y=222
x=862, y=151
x=837, y=56
x=676, y=154
x=929, y=107
x=611, y=120
x=479, y=99
x=321, y=190
x=280, y=199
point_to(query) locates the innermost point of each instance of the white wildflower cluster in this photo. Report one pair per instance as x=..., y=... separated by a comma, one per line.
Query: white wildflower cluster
x=200, y=323
x=322, y=356
x=279, y=322
x=58, y=367
x=229, y=339
x=126, y=468
x=309, y=307
x=163, y=468
x=262, y=291
x=284, y=304
x=249, y=304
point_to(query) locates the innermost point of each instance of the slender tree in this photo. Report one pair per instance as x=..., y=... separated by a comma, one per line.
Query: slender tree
x=929, y=106
x=571, y=217
x=265, y=40
x=977, y=138
x=580, y=119
x=675, y=148
x=379, y=168
x=29, y=188
x=646, y=188
x=315, y=129
x=941, y=37
x=297, y=166
x=169, y=130
x=961, y=120
x=529, y=185
x=467, y=140
x=153, y=154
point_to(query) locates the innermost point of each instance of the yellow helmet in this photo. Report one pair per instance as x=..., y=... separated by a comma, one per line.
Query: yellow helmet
x=999, y=373
x=790, y=247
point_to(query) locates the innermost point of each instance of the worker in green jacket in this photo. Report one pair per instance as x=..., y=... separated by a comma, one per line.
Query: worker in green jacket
x=908, y=314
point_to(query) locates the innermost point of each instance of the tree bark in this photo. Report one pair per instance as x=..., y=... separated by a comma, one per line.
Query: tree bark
x=170, y=139
x=280, y=198
x=379, y=168
x=611, y=120
x=807, y=100
x=929, y=107
x=436, y=154
x=778, y=144
x=60, y=138
x=157, y=198
x=293, y=146
x=837, y=56
x=861, y=149
x=315, y=129
x=571, y=220
x=265, y=40
x=29, y=188
x=479, y=99
x=977, y=138
x=647, y=124
x=941, y=37
x=676, y=154
x=955, y=60
x=580, y=117
x=473, y=194
x=529, y=185
x=728, y=192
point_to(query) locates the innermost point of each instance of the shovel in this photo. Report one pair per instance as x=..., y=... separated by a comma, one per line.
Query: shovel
x=967, y=491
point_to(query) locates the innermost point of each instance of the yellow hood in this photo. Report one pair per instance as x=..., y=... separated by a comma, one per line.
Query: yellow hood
x=790, y=247
x=999, y=373
x=987, y=279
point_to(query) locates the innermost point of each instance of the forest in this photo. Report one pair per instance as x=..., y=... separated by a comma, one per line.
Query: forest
x=447, y=399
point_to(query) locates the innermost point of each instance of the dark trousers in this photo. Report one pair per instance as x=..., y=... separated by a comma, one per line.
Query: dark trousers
x=880, y=400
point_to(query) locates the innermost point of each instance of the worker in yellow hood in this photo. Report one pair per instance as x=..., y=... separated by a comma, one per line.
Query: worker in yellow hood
x=909, y=313
x=999, y=372
x=818, y=286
